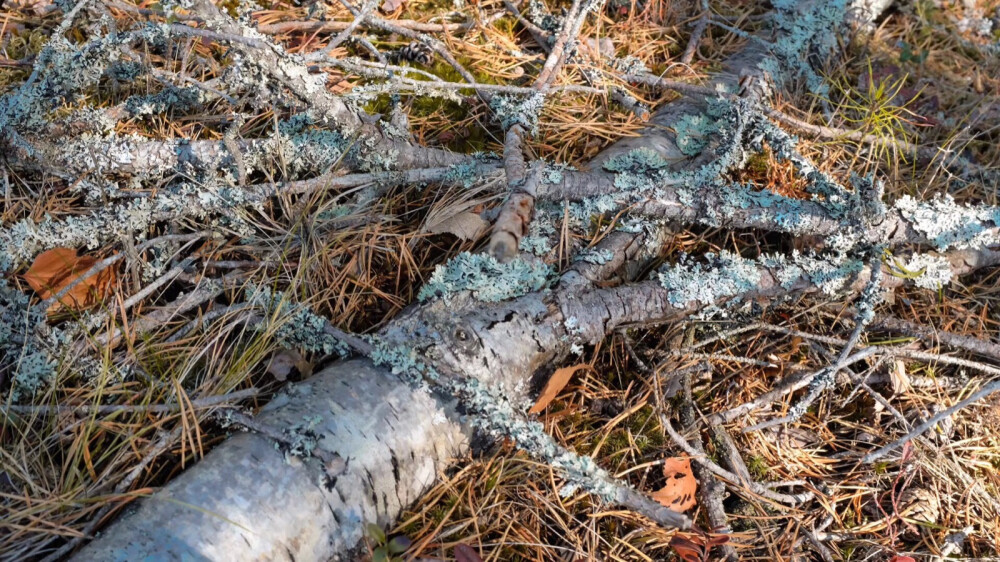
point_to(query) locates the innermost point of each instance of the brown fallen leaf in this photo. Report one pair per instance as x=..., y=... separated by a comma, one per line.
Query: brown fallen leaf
x=679, y=492
x=556, y=383
x=390, y=6
x=465, y=553
x=696, y=548
x=58, y=268
x=284, y=360
x=466, y=225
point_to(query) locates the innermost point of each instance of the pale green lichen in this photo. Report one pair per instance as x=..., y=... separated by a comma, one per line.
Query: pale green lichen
x=28, y=345
x=802, y=34
x=948, y=224
x=727, y=276
x=724, y=275
x=513, y=110
x=293, y=324
x=487, y=279
x=494, y=415
x=693, y=132
x=465, y=173
x=928, y=271
x=594, y=256
x=301, y=439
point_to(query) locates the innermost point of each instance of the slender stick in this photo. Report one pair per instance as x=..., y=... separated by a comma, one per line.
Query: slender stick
x=931, y=422
x=696, y=34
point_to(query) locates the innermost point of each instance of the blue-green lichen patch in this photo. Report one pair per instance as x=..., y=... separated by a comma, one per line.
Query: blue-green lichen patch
x=496, y=416
x=637, y=171
x=693, y=132
x=927, y=271
x=724, y=275
x=801, y=34
x=948, y=224
x=294, y=325
x=487, y=279
x=513, y=110
x=21, y=343
x=31, y=350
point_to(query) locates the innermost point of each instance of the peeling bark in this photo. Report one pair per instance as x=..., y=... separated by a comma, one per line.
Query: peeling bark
x=248, y=500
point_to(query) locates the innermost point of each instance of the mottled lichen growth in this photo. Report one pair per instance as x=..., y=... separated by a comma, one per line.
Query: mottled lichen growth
x=294, y=325
x=25, y=341
x=727, y=276
x=495, y=416
x=32, y=350
x=630, y=65
x=513, y=110
x=301, y=439
x=594, y=256
x=216, y=197
x=948, y=224
x=466, y=174
x=491, y=412
x=637, y=171
x=66, y=71
x=803, y=33
x=693, y=132
x=540, y=232
x=723, y=276
x=488, y=279
x=928, y=271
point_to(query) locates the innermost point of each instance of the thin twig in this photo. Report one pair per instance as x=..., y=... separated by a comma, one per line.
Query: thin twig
x=699, y=30
x=755, y=487
x=931, y=422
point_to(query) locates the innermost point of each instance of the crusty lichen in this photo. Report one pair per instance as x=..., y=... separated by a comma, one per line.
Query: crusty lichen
x=727, y=276
x=928, y=271
x=948, y=224
x=724, y=275
x=513, y=110
x=294, y=325
x=487, y=279
x=802, y=34
x=29, y=347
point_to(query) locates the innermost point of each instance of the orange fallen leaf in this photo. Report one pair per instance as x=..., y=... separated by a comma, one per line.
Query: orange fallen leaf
x=556, y=383
x=696, y=547
x=58, y=268
x=679, y=492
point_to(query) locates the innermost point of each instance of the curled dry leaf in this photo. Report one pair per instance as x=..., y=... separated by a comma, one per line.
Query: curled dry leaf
x=283, y=361
x=465, y=553
x=466, y=225
x=390, y=6
x=679, y=492
x=899, y=379
x=696, y=548
x=921, y=505
x=58, y=268
x=556, y=383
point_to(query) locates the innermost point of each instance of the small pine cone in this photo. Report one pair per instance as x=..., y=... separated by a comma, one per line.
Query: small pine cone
x=416, y=52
